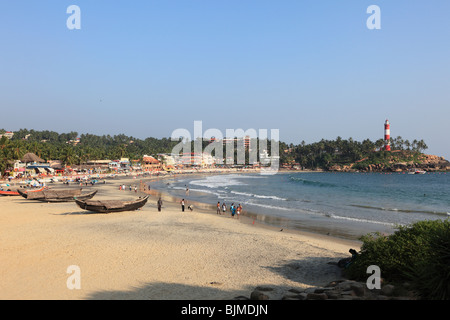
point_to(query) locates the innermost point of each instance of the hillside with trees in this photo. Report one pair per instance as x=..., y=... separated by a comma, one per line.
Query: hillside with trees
x=339, y=154
x=350, y=155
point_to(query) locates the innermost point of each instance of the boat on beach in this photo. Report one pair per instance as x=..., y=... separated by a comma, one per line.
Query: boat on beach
x=57, y=195
x=16, y=193
x=108, y=206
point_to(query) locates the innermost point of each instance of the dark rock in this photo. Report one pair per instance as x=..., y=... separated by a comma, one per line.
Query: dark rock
x=294, y=297
x=316, y=296
x=240, y=298
x=334, y=283
x=333, y=295
x=358, y=288
x=388, y=290
x=345, y=285
x=262, y=288
x=293, y=290
x=323, y=290
x=258, y=295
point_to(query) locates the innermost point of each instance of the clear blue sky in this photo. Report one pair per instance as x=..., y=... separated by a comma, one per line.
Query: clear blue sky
x=311, y=69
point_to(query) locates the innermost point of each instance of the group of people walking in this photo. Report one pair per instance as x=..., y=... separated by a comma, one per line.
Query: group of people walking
x=159, y=204
x=123, y=187
x=221, y=208
x=235, y=210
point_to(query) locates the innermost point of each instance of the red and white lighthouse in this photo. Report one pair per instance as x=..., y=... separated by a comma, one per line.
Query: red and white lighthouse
x=387, y=136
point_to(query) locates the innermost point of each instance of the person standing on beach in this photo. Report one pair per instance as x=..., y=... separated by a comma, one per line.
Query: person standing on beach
x=182, y=205
x=238, y=210
x=159, y=203
x=224, y=208
x=232, y=209
x=218, y=207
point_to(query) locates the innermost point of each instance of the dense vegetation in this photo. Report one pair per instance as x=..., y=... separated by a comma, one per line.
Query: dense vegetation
x=418, y=254
x=52, y=145
x=327, y=153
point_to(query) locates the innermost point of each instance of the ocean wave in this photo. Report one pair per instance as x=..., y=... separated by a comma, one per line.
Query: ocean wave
x=216, y=193
x=219, y=181
x=258, y=196
x=313, y=183
x=267, y=206
x=401, y=210
x=362, y=220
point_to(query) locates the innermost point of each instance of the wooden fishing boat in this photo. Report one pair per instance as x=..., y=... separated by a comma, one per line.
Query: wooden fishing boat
x=9, y=193
x=58, y=195
x=16, y=193
x=83, y=196
x=107, y=206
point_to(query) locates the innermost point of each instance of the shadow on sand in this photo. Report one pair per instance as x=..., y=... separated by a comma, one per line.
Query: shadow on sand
x=311, y=271
x=170, y=291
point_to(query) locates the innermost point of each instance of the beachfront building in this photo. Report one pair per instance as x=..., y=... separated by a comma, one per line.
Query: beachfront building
x=114, y=165
x=149, y=163
x=16, y=168
x=208, y=160
x=166, y=159
x=40, y=169
x=265, y=159
x=194, y=159
x=120, y=165
x=7, y=134
x=103, y=164
x=245, y=140
x=136, y=165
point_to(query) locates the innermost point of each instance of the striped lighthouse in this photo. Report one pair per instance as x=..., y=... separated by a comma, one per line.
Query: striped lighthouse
x=387, y=136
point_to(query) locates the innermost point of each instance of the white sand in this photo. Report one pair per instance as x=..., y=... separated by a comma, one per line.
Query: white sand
x=148, y=254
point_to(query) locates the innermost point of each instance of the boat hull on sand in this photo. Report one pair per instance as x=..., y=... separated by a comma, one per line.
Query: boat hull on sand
x=59, y=195
x=108, y=206
x=16, y=193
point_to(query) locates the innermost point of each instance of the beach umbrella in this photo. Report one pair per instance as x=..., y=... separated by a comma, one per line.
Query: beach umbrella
x=31, y=157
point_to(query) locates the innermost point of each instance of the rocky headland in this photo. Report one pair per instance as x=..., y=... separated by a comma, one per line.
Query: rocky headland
x=399, y=161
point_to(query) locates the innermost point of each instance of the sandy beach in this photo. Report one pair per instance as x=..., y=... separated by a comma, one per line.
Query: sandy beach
x=147, y=254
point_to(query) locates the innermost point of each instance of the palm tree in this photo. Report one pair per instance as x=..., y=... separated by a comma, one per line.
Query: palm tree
x=408, y=144
x=121, y=150
x=68, y=156
x=421, y=145
x=18, y=149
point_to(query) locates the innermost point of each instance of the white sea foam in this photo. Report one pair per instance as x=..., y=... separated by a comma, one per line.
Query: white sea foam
x=216, y=193
x=361, y=220
x=258, y=195
x=267, y=206
x=219, y=181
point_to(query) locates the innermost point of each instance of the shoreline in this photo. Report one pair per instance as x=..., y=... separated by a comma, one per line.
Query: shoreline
x=253, y=219
x=336, y=229
x=147, y=254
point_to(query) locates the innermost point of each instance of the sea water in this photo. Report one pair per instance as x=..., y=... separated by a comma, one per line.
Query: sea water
x=343, y=204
